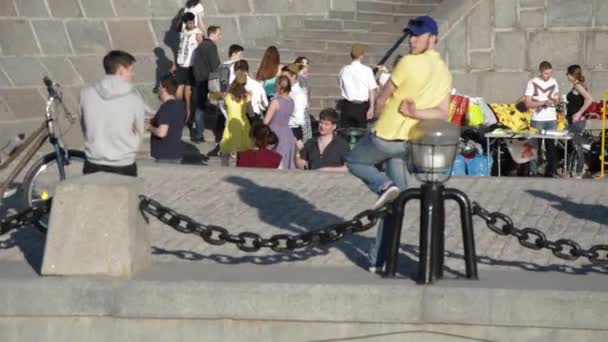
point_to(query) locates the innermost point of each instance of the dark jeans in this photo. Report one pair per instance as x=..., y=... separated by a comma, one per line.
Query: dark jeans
x=197, y=127
x=220, y=125
x=353, y=114
x=129, y=170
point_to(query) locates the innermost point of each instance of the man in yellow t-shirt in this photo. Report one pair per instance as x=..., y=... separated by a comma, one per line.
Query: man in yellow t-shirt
x=419, y=89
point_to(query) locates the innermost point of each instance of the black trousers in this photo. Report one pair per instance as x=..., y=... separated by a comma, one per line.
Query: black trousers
x=353, y=114
x=129, y=170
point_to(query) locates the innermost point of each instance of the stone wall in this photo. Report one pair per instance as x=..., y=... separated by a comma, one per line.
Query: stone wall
x=494, y=46
x=66, y=39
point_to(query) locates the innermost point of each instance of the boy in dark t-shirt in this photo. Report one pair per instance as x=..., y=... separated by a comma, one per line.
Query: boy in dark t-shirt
x=328, y=152
x=167, y=125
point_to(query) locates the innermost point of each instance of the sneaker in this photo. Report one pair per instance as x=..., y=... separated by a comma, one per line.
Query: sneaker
x=376, y=269
x=215, y=152
x=387, y=197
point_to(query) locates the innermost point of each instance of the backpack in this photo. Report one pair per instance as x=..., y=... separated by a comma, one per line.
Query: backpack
x=219, y=80
x=176, y=22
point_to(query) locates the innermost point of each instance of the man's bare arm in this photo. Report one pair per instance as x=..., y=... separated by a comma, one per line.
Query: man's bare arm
x=385, y=94
x=441, y=111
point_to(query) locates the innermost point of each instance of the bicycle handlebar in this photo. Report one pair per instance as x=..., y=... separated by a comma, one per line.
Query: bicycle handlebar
x=53, y=93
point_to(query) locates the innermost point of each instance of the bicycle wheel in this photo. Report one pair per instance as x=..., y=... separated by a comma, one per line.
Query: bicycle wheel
x=43, y=177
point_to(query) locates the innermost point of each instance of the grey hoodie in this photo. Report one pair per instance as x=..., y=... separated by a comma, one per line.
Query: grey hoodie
x=112, y=121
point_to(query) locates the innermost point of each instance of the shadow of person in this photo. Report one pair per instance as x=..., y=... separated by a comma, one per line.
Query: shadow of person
x=590, y=212
x=288, y=211
x=163, y=66
x=192, y=155
x=30, y=243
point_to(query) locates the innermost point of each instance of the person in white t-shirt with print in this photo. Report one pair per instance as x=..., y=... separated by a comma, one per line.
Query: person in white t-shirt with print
x=189, y=39
x=542, y=95
x=195, y=7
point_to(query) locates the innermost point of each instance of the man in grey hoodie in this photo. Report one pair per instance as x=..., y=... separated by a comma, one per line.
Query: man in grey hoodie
x=112, y=118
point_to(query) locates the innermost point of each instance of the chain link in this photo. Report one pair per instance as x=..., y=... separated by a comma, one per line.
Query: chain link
x=535, y=239
x=252, y=242
x=24, y=218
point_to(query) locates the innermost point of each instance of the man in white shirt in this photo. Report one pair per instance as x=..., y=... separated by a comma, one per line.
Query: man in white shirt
x=189, y=39
x=542, y=94
x=259, y=100
x=358, y=90
x=300, y=99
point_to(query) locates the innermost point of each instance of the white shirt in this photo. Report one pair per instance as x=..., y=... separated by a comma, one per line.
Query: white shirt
x=300, y=100
x=356, y=80
x=187, y=45
x=541, y=90
x=259, y=100
x=197, y=10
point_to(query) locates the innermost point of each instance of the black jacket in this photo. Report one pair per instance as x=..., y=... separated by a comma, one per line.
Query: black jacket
x=205, y=60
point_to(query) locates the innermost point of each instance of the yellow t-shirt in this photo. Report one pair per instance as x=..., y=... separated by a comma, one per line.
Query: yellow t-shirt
x=424, y=78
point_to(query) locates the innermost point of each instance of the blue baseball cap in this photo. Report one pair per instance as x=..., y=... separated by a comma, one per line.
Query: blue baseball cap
x=421, y=25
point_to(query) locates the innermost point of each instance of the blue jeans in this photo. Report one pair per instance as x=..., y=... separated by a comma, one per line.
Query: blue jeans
x=361, y=162
x=551, y=151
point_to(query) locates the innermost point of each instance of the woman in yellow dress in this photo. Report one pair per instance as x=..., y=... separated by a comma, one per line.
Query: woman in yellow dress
x=236, y=136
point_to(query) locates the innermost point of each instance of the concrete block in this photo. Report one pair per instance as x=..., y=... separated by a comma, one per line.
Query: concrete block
x=254, y=27
x=597, y=56
x=147, y=94
x=481, y=60
x=134, y=36
x=164, y=8
x=97, y=9
x=505, y=13
x=24, y=71
x=489, y=86
x=233, y=6
x=466, y=83
x=291, y=7
x=90, y=68
x=7, y=8
x=10, y=44
x=480, y=26
x=5, y=115
x=52, y=37
x=551, y=46
x=24, y=103
x=65, y=8
x=534, y=18
x=324, y=24
x=61, y=70
x=145, y=69
x=598, y=83
x=4, y=81
x=510, y=48
x=88, y=37
x=32, y=8
x=570, y=13
x=133, y=8
x=343, y=5
x=295, y=21
x=600, y=10
x=347, y=15
x=106, y=235
x=457, y=47
x=532, y=3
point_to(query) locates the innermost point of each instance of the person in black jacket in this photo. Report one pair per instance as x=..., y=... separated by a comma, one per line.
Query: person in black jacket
x=205, y=61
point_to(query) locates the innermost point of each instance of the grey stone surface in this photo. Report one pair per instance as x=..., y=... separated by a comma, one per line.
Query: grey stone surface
x=489, y=90
x=253, y=27
x=481, y=60
x=457, y=47
x=24, y=71
x=61, y=70
x=9, y=29
x=89, y=68
x=52, y=37
x=4, y=81
x=24, y=103
x=233, y=6
x=343, y=5
x=96, y=8
x=65, y=8
x=7, y=8
x=32, y=8
x=466, y=83
x=532, y=3
x=480, y=26
x=105, y=236
x=570, y=13
x=88, y=37
x=308, y=7
x=164, y=8
x=533, y=18
x=510, y=50
x=132, y=8
x=597, y=56
x=132, y=35
x=505, y=13
x=547, y=45
x=599, y=83
x=601, y=12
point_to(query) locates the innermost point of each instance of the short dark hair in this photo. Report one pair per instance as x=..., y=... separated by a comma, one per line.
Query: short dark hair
x=329, y=114
x=212, y=29
x=241, y=65
x=115, y=59
x=169, y=83
x=544, y=65
x=234, y=48
x=188, y=16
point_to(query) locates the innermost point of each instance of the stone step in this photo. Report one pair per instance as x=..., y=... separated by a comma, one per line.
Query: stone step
x=393, y=8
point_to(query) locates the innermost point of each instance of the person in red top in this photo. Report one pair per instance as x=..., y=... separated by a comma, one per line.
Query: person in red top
x=264, y=155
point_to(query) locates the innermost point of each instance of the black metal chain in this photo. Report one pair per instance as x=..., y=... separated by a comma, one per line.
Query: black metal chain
x=24, y=218
x=252, y=242
x=532, y=238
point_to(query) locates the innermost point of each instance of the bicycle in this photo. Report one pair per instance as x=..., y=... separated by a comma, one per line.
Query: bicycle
x=42, y=177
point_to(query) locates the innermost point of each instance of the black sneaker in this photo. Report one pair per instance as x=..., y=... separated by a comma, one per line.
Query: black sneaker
x=215, y=152
x=387, y=196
